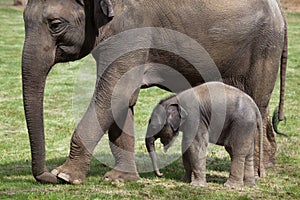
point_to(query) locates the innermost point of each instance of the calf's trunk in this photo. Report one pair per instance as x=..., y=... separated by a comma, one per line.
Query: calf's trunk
x=151, y=149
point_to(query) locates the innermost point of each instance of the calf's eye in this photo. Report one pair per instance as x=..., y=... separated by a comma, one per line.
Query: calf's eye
x=56, y=25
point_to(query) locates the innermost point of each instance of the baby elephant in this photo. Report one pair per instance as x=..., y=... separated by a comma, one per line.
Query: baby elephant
x=212, y=112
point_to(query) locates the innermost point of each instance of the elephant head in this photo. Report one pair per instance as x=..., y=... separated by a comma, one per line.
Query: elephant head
x=56, y=31
x=164, y=123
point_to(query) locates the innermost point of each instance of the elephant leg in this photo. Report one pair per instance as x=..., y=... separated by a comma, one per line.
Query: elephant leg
x=269, y=143
x=269, y=140
x=83, y=142
x=258, y=82
x=198, y=165
x=116, y=91
x=260, y=89
x=196, y=155
x=249, y=179
x=122, y=147
x=261, y=96
x=236, y=174
x=187, y=166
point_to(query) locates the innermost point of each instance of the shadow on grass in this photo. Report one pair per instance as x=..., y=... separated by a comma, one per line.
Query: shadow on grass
x=173, y=171
x=23, y=167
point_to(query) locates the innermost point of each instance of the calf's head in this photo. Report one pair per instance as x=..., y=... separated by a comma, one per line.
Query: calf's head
x=165, y=123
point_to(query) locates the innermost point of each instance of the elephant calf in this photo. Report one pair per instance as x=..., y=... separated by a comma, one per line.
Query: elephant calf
x=212, y=112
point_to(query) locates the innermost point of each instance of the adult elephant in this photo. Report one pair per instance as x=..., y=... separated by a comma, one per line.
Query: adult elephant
x=245, y=39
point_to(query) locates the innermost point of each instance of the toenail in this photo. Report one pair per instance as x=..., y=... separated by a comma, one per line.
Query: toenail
x=54, y=172
x=106, y=179
x=64, y=176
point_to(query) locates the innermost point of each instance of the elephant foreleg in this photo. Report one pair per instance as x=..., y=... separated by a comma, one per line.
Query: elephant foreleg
x=83, y=142
x=187, y=166
x=195, y=158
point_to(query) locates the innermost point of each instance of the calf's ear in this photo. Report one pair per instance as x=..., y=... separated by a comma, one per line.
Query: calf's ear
x=157, y=120
x=176, y=116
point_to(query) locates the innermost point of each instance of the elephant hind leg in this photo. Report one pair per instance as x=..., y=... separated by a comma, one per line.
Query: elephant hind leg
x=236, y=174
x=265, y=61
x=249, y=178
x=122, y=148
x=269, y=144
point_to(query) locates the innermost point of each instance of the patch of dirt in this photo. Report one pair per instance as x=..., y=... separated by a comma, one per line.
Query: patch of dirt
x=291, y=5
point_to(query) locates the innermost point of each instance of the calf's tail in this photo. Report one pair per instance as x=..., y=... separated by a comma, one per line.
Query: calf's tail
x=261, y=168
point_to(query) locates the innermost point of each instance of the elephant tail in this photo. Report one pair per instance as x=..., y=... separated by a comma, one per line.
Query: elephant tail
x=260, y=132
x=275, y=122
x=283, y=66
x=278, y=112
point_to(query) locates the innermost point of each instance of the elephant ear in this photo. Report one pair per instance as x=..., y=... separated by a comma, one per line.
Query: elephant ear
x=157, y=121
x=107, y=8
x=176, y=116
x=103, y=12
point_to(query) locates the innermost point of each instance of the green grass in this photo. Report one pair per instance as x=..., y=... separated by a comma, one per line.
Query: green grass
x=6, y=2
x=62, y=114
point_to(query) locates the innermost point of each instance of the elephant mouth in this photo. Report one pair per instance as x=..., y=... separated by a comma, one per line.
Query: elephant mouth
x=167, y=146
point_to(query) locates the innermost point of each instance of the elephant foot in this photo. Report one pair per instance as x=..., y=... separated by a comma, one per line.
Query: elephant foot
x=186, y=178
x=197, y=183
x=233, y=184
x=121, y=176
x=260, y=173
x=46, y=177
x=270, y=164
x=249, y=182
x=71, y=173
x=269, y=145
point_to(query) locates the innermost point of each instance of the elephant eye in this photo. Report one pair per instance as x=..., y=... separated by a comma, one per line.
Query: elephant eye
x=56, y=25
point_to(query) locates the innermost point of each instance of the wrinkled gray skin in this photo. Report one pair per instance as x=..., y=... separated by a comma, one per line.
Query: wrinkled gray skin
x=242, y=124
x=246, y=40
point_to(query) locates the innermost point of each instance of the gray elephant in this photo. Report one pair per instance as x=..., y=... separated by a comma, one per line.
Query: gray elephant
x=212, y=112
x=245, y=39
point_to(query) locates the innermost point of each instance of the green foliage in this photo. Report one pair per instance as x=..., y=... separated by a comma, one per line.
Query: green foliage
x=16, y=181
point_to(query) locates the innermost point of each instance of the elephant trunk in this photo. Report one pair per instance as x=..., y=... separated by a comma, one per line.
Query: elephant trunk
x=151, y=149
x=35, y=68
